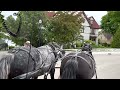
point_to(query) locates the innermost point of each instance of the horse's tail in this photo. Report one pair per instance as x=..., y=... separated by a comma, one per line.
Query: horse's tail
x=5, y=65
x=70, y=69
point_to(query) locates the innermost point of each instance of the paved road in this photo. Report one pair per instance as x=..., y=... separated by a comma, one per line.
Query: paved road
x=108, y=66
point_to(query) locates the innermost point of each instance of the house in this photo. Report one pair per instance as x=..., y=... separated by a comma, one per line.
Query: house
x=90, y=26
x=105, y=38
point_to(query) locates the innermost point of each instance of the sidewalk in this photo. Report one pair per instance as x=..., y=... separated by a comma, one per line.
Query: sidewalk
x=106, y=53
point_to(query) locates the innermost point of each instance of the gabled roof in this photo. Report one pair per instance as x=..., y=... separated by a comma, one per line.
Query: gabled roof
x=108, y=35
x=82, y=12
x=93, y=22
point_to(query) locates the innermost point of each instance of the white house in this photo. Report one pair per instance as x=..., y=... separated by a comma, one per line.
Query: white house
x=90, y=26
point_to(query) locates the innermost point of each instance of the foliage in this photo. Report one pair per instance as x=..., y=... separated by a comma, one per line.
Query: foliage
x=111, y=21
x=93, y=44
x=116, y=39
x=78, y=44
x=64, y=27
x=1, y=17
x=3, y=45
x=10, y=47
x=2, y=41
x=30, y=29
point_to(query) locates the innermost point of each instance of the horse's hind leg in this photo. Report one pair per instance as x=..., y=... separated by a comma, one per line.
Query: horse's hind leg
x=52, y=72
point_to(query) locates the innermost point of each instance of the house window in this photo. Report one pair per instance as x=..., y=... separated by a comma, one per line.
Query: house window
x=82, y=29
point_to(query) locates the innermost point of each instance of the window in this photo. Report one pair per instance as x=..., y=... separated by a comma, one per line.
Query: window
x=82, y=29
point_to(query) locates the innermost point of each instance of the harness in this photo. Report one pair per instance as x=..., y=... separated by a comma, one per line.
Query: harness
x=31, y=55
x=52, y=64
x=92, y=58
x=55, y=53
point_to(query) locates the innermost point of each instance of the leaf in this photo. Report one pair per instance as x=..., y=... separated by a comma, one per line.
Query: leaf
x=111, y=22
x=65, y=27
x=29, y=29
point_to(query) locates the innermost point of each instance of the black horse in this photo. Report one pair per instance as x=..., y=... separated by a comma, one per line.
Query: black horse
x=78, y=65
x=37, y=62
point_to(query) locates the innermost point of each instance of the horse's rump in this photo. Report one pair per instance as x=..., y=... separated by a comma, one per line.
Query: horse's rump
x=86, y=66
x=24, y=61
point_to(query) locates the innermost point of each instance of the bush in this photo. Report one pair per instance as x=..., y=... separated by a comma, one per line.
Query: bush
x=93, y=44
x=116, y=39
x=78, y=44
x=10, y=47
x=67, y=46
x=101, y=46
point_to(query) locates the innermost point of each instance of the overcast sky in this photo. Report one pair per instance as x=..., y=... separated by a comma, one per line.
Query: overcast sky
x=96, y=14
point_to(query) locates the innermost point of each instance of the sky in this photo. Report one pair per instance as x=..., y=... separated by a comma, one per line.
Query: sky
x=96, y=14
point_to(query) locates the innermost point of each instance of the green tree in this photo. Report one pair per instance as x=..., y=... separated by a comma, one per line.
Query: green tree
x=64, y=27
x=30, y=27
x=116, y=39
x=110, y=22
x=1, y=17
x=2, y=34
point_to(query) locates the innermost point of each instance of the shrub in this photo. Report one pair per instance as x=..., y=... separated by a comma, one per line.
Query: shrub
x=100, y=46
x=10, y=47
x=116, y=39
x=92, y=43
x=78, y=44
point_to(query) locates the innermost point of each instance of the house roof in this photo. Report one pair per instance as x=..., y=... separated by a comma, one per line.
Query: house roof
x=82, y=12
x=93, y=24
x=50, y=14
x=108, y=35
